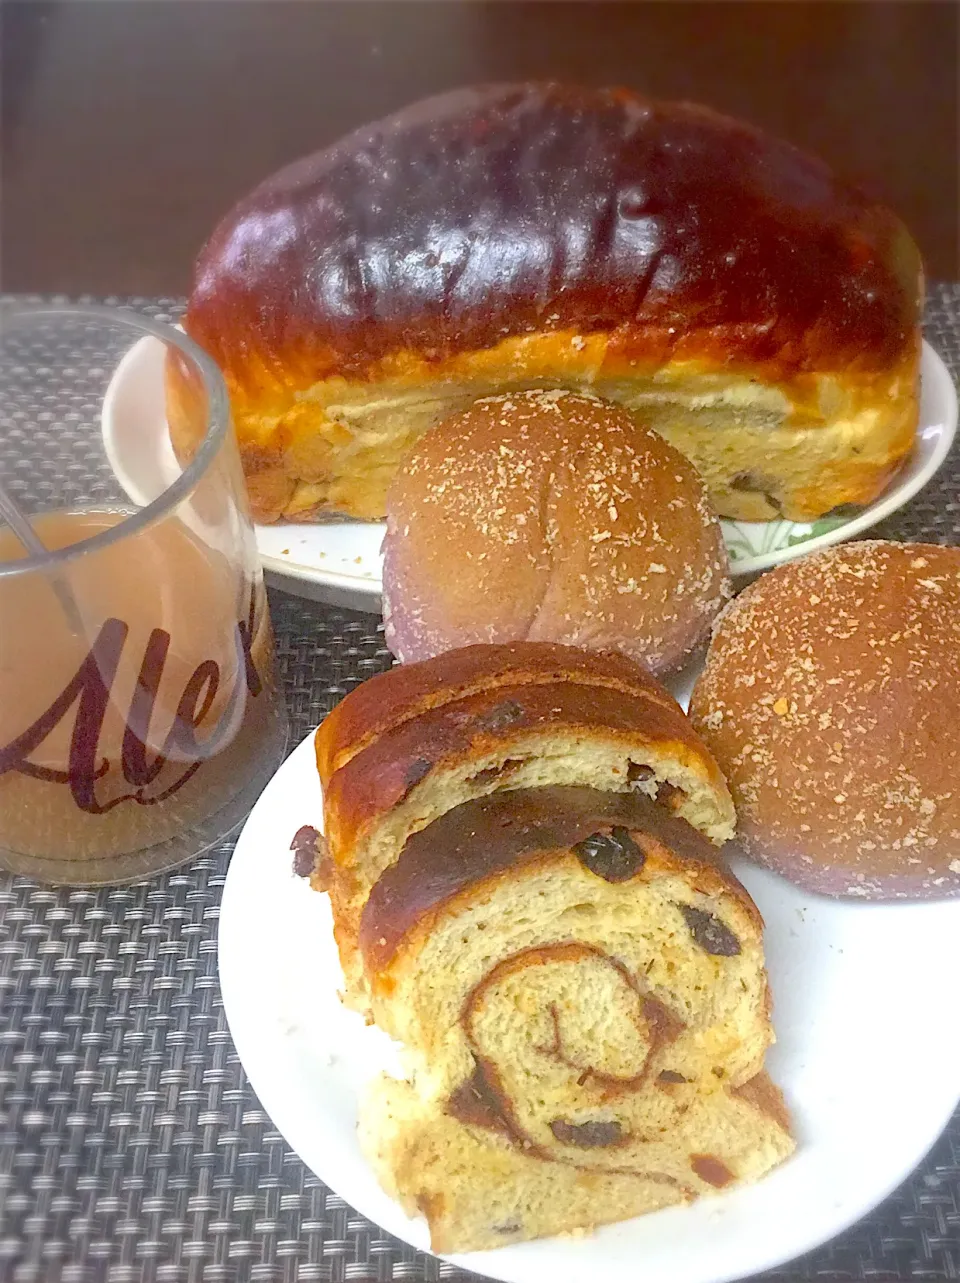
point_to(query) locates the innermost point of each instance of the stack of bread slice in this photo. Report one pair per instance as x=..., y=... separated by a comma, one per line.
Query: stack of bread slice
x=521, y=855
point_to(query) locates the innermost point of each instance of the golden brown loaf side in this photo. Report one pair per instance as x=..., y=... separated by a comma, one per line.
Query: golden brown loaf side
x=611, y=727
x=831, y=700
x=551, y=516
x=580, y=991
x=761, y=314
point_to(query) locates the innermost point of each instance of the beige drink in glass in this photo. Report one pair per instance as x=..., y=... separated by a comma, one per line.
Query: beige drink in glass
x=139, y=715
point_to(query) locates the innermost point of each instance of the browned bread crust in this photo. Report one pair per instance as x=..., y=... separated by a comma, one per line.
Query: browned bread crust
x=401, y=694
x=579, y=984
x=831, y=699
x=486, y=839
x=419, y=740
x=392, y=767
x=682, y=230
x=766, y=1097
x=644, y=237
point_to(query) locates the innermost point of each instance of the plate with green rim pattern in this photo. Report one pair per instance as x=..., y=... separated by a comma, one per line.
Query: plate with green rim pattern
x=339, y=561
x=757, y=545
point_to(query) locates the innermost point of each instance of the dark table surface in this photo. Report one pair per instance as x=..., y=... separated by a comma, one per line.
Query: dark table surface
x=129, y=127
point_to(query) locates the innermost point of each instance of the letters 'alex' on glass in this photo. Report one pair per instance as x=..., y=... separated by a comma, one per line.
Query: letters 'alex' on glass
x=139, y=712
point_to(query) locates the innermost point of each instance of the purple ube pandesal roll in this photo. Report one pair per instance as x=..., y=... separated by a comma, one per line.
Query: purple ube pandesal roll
x=551, y=516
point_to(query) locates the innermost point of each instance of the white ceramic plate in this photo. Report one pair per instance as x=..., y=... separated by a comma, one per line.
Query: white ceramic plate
x=340, y=561
x=868, y=1057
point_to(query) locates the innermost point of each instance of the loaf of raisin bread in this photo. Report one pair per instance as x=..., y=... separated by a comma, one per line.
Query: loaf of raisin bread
x=580, y=989
x=412, y=744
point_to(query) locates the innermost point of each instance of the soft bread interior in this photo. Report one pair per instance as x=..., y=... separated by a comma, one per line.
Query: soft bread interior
x=760, y=453
x=580, y=1050
x=602, y=762
x=478, y=1191
x=718, y=1002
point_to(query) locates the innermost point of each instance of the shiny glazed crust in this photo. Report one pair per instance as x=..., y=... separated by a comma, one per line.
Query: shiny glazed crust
x=418, y=741
x=402, y=693
x=508, y=738
x=660, y=253
x=485, y=840
x=507, y=720
x=831, y=699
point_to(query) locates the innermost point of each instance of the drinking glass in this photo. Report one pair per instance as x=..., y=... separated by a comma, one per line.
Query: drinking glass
x=139, y=710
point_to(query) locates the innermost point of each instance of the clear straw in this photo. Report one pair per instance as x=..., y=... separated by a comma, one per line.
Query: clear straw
x=20, y=524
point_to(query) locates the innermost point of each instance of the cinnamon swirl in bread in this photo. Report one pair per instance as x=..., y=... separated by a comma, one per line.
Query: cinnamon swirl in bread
x=417, y=741
x=580, y=989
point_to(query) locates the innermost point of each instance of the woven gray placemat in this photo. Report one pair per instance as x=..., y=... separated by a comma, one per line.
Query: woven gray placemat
x=132, y=1148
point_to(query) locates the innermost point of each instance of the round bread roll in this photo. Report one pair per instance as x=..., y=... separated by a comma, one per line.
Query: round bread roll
x=551, y=516
x=831, y=701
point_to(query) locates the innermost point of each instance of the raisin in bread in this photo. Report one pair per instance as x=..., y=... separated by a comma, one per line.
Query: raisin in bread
x=408, y=746
x=580, y=989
